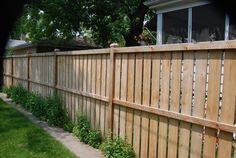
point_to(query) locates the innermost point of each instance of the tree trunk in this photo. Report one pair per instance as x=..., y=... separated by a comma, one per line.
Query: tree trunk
x=137, y=27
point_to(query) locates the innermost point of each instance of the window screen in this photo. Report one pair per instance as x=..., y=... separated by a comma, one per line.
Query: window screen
x=175, y=27
x=208, y=24
x=232, y=29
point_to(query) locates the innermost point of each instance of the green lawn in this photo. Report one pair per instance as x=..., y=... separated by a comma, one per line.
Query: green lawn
x=20, y=138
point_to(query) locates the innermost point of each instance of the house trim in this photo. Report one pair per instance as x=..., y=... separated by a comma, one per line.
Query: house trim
x=163, y=6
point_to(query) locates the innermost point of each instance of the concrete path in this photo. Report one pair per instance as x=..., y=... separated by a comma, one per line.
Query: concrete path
x=67, y=139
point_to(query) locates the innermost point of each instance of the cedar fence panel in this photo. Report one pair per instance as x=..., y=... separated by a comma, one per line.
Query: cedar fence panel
x=171, y=101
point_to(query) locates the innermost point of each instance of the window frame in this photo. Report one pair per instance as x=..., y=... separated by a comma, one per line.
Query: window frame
x=160, y=25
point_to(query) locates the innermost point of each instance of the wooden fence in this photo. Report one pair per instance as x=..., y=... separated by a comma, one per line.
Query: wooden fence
x=168, y=101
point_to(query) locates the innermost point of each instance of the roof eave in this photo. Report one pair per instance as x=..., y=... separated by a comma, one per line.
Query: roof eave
x=162, y=6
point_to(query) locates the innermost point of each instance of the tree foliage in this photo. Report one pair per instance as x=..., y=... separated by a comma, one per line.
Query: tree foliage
x=106, y=21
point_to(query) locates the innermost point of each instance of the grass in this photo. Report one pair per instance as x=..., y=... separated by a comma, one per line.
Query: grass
x=20, y=138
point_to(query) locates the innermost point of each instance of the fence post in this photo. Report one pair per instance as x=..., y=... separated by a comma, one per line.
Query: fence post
x=28, y=72
x=111, y=88
x=12, y=73
x=55, y=73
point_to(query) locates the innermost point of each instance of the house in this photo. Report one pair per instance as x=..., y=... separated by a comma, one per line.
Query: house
x=186, y=21
x=51, y=46
x=13, y=43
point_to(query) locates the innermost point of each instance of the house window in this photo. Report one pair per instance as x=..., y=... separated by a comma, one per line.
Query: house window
x=175, y=27
x=232, y=29
x=208, y=24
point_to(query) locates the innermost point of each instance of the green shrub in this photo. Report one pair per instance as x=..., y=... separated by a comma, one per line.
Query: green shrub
x=81, y=129
x=30, y=102
x=6, y=90
x=68, y=125
x=9, y=91
x=39, y=108
x=48, y=109
x=55, y=115
x=19, y=94
x=117, y=148
x=94, y=138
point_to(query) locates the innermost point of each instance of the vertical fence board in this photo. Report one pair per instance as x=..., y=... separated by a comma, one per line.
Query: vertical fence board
x=212, y=103
x=107, y=94
x=153, y=134
x=174, y=104
x=123, y=94
x=89, y=87
x=103, y=93
x=199, y=102
x=70, y=58
x=92, y=106
x=138, y=99
x=164, y=103
x=85, y=84
x=98, y=91
x=117, y=94
x=73, y=76
x=228, y=103
x=130, y=98
x=186, y=104
x=146, y=102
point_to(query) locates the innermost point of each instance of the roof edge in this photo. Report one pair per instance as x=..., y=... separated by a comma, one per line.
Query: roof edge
x=162, y=6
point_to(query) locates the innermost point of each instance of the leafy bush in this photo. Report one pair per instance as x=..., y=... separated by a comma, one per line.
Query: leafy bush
x=7, y=90
x=48, y=109
x=30, y=102
x=94, y=138
x=18, y=94
x=81, y=129
x=39, y=108
x=55, y=115
x=117, y=147
x=68, y=125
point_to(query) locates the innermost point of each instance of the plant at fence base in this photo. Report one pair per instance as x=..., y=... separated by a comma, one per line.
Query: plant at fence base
x=117, y=147
x=30, y=102
x=7, y=90
x=55, y=115
x=83, y=131
x=94, y=138
x=17, y=93
x=39, y=107
x=48, y=109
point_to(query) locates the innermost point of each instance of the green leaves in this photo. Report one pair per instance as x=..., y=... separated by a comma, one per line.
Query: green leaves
x=117, y=147
x=48, y=109
x=83, y=131
x=105, y=21
x=94, y=138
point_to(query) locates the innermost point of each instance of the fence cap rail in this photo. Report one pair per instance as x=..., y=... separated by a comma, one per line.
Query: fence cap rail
x=217, y=45
x=221, y=45
x=85, y=52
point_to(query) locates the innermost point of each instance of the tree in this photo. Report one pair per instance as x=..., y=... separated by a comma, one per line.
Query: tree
x=107, y=20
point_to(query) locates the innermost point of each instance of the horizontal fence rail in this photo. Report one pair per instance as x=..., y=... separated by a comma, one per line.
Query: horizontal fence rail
x=174, y=100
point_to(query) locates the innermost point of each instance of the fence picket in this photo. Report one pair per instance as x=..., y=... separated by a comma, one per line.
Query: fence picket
x=130, y=98
x=174, y=104
x=228, y=103
x=186, y=104
x=164, y=103
x=137, y=98
x=199, y=103
x=212, y=102
x=117, y=94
